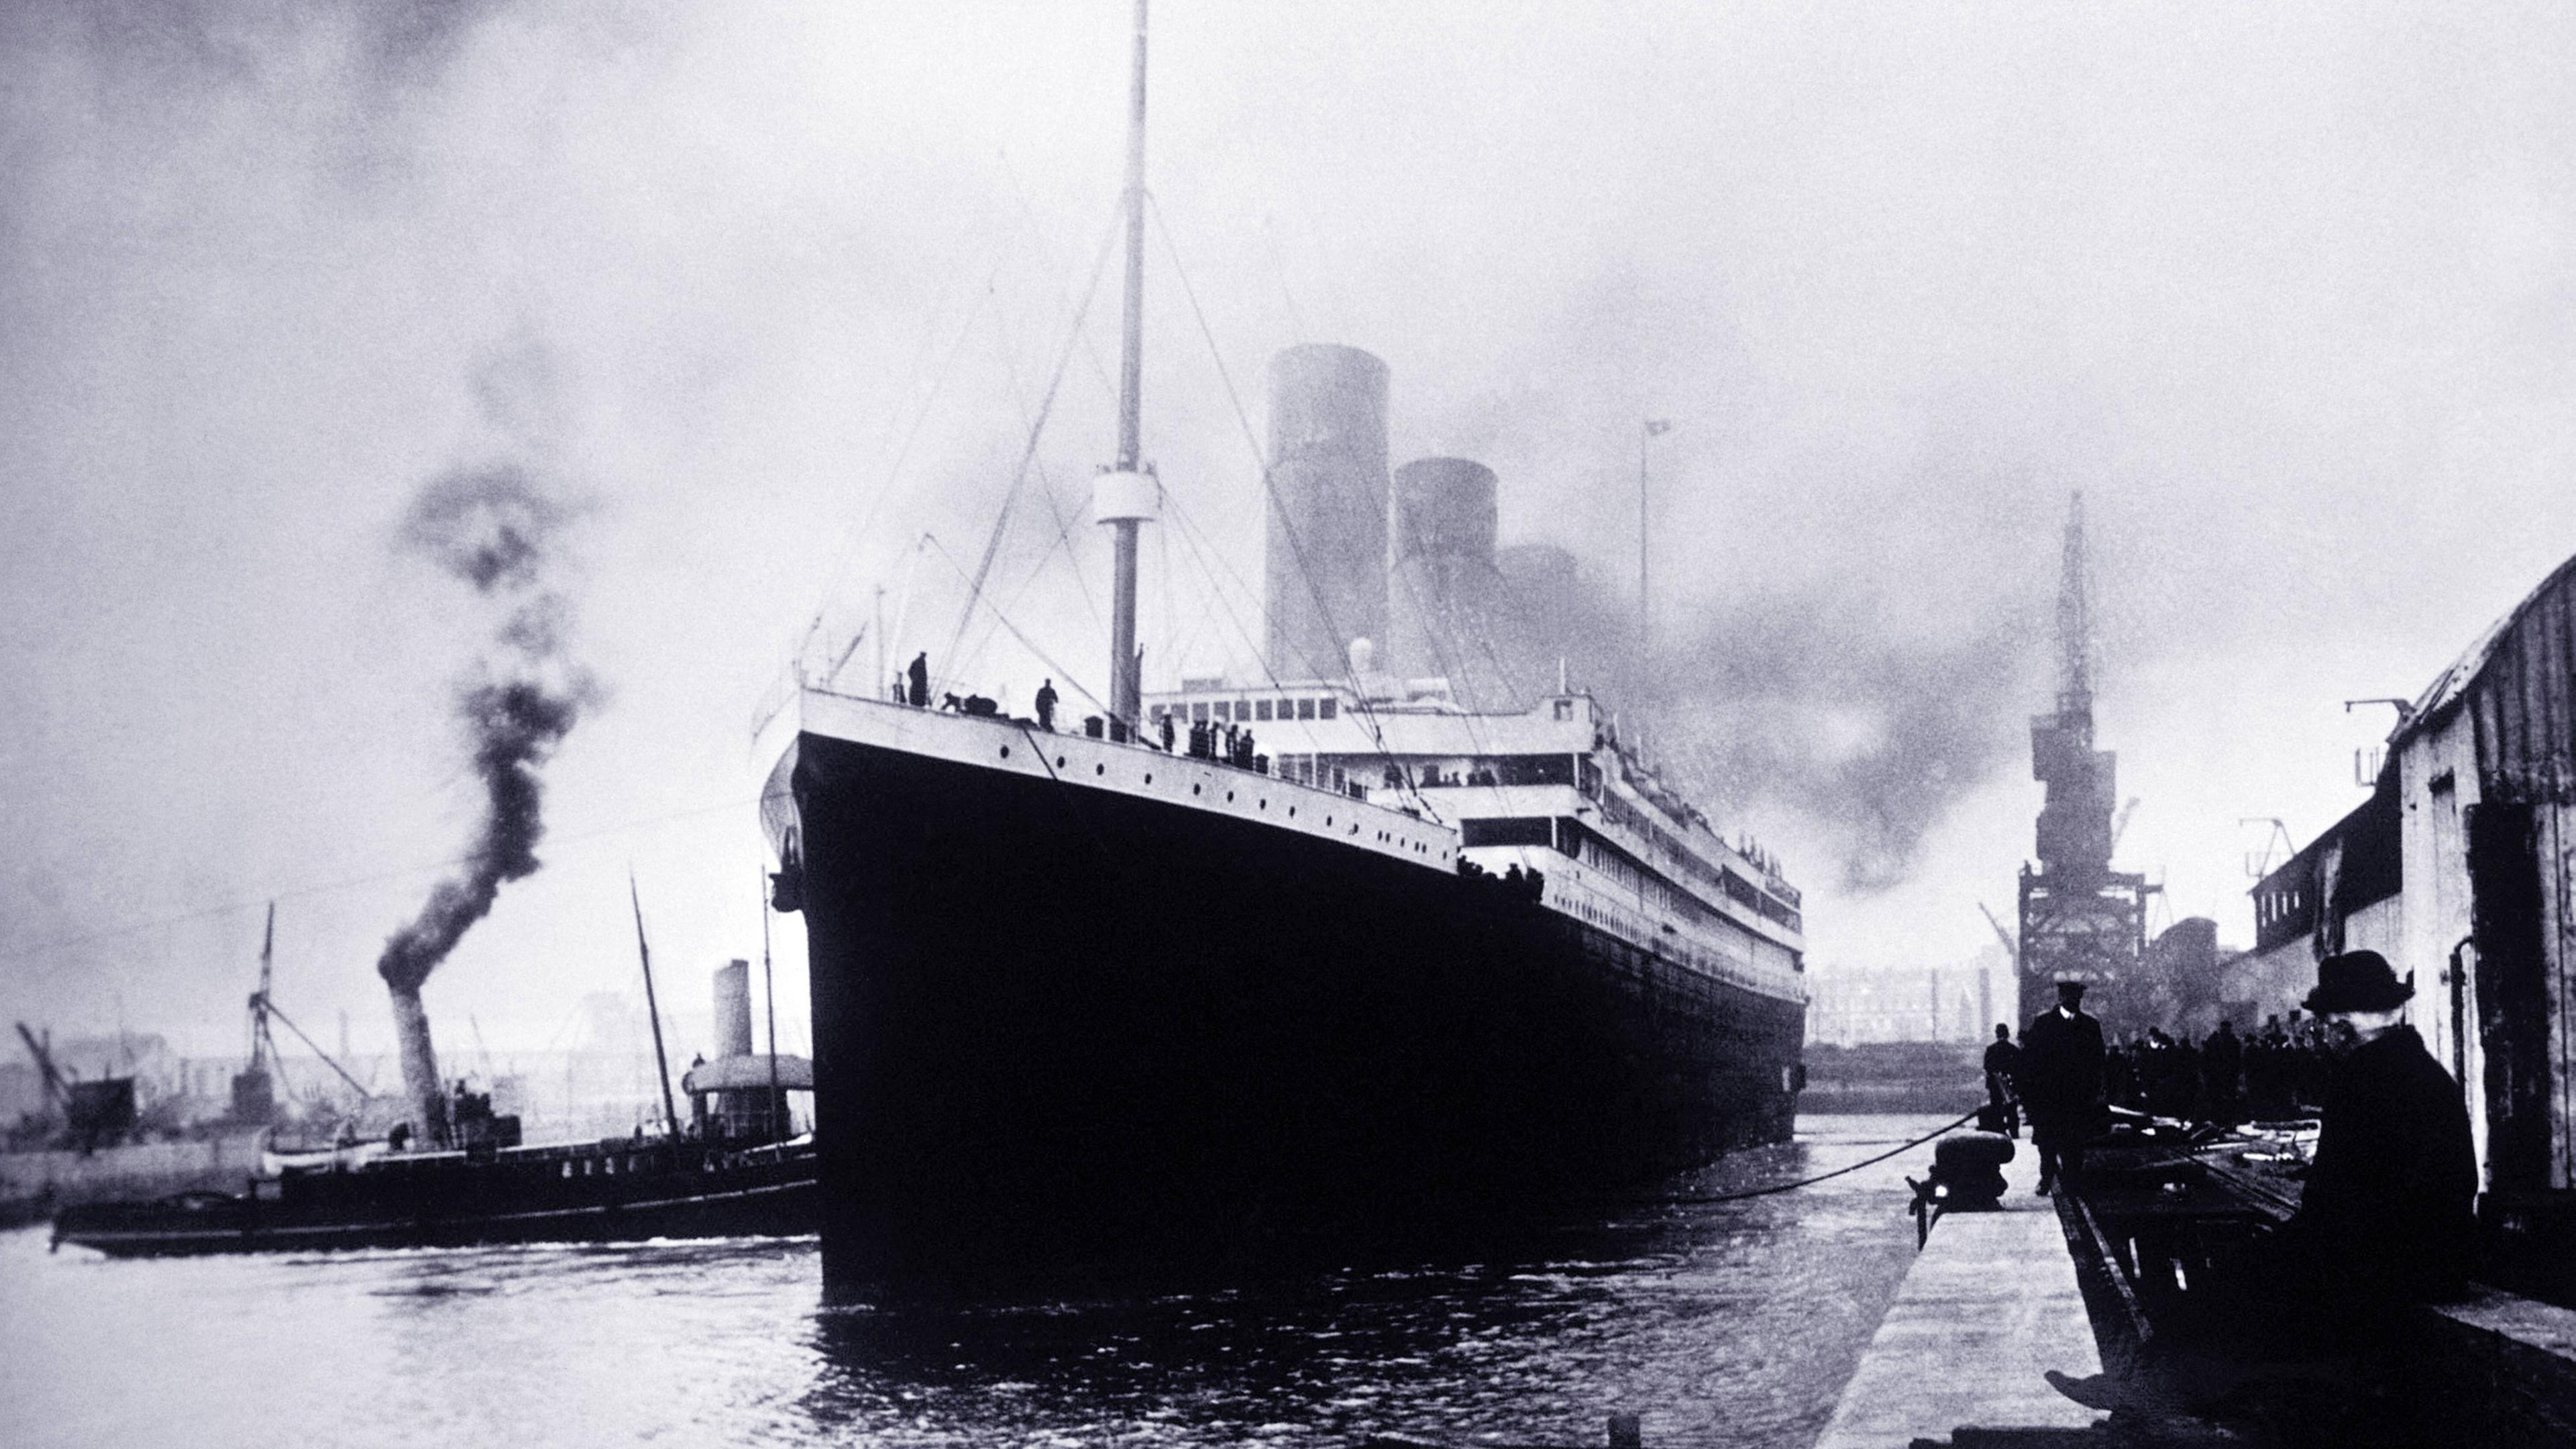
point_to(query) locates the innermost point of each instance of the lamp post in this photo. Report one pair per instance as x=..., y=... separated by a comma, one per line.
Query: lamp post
x=1652, y=428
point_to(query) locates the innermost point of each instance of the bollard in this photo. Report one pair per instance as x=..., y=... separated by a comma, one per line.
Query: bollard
x=1624, y=1432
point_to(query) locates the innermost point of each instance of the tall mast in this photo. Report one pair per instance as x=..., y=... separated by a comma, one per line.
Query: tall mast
x=1126, y=496
x=769, y=993
x=653, y=1012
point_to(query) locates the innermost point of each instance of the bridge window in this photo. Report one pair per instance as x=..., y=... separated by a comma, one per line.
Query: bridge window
x=1325, y=707
x=1535, y=770
x=1508, y=830
x=1261, y=710
x=1305, y=709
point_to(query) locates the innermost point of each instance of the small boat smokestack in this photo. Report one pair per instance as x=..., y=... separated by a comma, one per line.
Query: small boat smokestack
x=733, y=1009
x=419, y=1062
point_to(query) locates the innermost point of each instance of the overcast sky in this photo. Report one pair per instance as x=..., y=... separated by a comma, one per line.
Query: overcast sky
x=765, y=293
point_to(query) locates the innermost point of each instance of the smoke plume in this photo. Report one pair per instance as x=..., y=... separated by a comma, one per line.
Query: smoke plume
x=1819, y=707
x=1831, y=707
x=494, y=529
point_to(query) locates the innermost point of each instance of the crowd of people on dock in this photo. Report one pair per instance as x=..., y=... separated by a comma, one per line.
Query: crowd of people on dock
x=2271, y=1075
x=2277, y=1074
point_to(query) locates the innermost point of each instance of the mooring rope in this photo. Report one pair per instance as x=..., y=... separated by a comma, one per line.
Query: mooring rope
x=1822, y=1176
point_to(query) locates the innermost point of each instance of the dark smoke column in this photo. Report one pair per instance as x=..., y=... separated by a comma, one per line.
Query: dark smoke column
x=490, y=528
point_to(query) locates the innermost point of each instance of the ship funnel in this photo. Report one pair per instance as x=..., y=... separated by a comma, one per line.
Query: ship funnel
x=733, y=1009
x=1445, y=590
x=1324, y=557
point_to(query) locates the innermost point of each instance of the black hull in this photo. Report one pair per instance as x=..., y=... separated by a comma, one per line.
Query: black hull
x=663, y=1193
x=1061, y=1028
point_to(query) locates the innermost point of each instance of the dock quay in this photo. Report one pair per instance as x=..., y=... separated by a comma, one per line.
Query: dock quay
x=1989, y=1306
x=1997, y=1299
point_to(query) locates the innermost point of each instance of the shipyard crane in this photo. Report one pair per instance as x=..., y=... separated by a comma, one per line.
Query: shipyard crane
x=2012, y=949
x=263, y=1006
x=57, y=1090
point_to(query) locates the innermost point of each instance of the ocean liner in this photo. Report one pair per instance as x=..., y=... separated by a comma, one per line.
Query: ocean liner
x=1252, y=968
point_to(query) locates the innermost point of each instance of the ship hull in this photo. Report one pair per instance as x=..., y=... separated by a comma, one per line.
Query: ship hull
x=1061, y=1029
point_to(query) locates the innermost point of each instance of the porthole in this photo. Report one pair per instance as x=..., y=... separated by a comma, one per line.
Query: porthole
x=1149, y=779
x=1265, y=804
x=1100, y=769
x=1292, y=812
x=1059, y=762
x=1006, y=752
x=1229, y=797
x=1194, y=789
x=1328, y=822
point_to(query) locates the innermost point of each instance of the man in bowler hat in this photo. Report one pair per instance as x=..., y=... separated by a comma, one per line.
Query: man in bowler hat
x=2384, y=1219
x=2061, y=1084
x=2386, y=1214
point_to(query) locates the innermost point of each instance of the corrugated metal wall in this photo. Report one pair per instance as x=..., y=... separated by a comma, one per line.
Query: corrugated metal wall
x=2526, y=720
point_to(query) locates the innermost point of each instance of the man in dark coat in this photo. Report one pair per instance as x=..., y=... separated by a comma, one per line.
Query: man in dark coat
x=2003, y=1096
x=1046, y=706
x=2384, y=1220
x=917, y=674
x=2386, y=1215
x=2222, y=1061
x=2061, y=1084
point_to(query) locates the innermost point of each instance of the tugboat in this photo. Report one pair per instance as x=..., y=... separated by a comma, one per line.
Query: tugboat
x=739, y=1169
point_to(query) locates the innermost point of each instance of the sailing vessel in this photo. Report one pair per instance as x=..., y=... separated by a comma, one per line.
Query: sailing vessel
x=1253, y=968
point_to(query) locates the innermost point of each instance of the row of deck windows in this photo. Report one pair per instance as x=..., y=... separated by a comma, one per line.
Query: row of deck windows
x=1248, y=711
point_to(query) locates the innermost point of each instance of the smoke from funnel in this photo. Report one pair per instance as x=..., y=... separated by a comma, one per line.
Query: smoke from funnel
x=493, y=528
x=1831, y=708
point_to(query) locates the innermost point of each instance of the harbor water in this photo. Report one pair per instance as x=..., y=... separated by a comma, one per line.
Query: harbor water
x=1730, y=1323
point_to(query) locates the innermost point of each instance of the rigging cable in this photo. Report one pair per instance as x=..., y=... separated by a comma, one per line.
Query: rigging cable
x=1028, y=453
x=938, y=382
x=1288, y=530
x=1070, y=678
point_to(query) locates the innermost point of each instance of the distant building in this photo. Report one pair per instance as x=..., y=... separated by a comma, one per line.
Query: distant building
x=1905, y=1003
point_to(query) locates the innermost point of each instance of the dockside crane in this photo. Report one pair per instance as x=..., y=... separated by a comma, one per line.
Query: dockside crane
x=58, y=1092
x=253, y=1094
x=2012, y=948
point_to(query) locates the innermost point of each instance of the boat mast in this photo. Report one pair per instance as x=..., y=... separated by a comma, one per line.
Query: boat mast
x=769, y=993
x=661, y=1063
x=1126, y=496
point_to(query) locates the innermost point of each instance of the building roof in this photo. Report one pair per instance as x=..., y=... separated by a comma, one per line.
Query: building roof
x=2518, y=680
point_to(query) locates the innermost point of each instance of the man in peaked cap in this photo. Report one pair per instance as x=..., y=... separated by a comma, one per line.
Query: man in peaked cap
x=2061, y=1083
